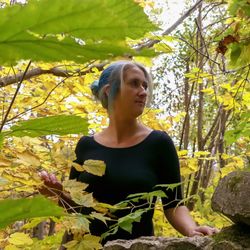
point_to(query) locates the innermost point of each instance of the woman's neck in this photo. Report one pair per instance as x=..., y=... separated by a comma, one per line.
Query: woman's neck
x=122, y=129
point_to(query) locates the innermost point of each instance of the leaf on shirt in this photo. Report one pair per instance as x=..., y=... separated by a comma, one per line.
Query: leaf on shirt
x=83, y=199
x=171, y=186
x=95, y=167
x=100, y=217
x=77, y=223
x=78, y=167
x=126, y=221
x=73, y=186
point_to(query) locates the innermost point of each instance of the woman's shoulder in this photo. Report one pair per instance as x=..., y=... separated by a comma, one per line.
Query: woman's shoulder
x=160, y=135
x=85, y=141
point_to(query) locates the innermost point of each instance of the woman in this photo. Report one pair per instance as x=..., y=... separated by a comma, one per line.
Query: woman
x=137, y=158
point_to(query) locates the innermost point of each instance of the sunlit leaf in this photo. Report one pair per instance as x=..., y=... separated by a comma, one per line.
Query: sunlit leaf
x=83, y=199
x=28, y=158
x=33, y=222
x=58, y=125
x=163, y=47
x=20, y=239
x=4, y=162
x=95, y=167
x=77, y=223
x=87, y=242
x=49, y=35
x=13, y=210
x=74, y=186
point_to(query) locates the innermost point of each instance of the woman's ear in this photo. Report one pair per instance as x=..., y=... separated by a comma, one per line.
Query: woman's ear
x=106, y=89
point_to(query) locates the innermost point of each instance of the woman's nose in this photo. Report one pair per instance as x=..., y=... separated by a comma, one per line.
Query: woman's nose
x=143, y=91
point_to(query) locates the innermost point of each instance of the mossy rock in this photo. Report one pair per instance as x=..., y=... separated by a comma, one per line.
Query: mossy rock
x=234, y=237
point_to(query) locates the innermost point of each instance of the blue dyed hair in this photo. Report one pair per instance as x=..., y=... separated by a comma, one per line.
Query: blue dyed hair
x=113, y=75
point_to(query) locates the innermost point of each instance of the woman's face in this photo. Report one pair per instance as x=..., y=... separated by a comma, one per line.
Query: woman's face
x=132, y=97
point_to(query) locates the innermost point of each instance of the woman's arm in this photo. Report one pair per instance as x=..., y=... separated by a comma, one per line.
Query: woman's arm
x=182, y=221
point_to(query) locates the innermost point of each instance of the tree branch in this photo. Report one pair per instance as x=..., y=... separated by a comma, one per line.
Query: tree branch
x=150, y=43
x=7, y=80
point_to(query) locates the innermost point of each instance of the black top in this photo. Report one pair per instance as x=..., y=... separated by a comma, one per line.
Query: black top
x=130, y=170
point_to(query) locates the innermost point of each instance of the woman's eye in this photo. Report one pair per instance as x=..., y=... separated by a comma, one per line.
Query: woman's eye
x=135, y=83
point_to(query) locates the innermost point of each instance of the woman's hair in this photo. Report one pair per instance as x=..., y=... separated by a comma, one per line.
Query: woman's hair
x=113, y=75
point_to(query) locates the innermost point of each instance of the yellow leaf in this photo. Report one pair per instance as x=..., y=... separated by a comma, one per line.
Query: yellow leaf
x=33, y=222
x=208, y=91
x=71, y=244
x=20, y=239
x=78, y=167
x=28, y=158
x=83, y=199
x=182, y=153
x=12, y=247
x=179, y=116
x=201, y=153
x=162, y=47
x=88, y=242
x=188, y=166
x=4, y=162
x=77, y=223
x=92, y=242
x=89, y=78
x=74, y=186
x=147, y=61
x=95, y=167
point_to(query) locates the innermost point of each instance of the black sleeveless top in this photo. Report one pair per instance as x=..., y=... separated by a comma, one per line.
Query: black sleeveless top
x=130, y=170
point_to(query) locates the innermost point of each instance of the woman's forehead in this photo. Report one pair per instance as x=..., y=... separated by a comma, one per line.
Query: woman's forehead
x=132, y=72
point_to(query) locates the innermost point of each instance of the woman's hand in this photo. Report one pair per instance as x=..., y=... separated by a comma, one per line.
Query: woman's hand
x=203, y=230
x=182, y=221
x=52, y=187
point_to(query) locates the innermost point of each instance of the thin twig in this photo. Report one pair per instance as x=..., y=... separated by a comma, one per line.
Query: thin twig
x=14, y=97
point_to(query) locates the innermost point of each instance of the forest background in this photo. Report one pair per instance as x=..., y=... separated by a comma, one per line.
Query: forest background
x=52, y=51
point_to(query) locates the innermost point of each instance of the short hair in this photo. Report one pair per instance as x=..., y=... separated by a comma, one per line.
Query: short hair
x=114, y=76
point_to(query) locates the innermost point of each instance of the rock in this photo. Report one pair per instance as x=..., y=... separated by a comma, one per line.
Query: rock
x=236, y=237
x=159, y=243
x=231, y=197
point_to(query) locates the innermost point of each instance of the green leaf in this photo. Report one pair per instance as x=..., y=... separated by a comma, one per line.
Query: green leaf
x=14, y=210
x=235, y=53
x=50, y=35
x=58, y=125
x=126, y=221
x=171, y=186
x=100, y=217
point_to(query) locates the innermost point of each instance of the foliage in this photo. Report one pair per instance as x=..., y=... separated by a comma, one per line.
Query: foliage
x=54, y=108
x=14, y=210
x=52, y=125
x=64, y=34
